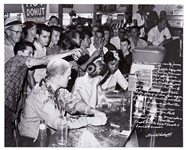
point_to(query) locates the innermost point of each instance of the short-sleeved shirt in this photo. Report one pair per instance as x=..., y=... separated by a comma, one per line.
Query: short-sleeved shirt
x=140, y=43
x=157, y=37
x=40, y=105
x=15, y=72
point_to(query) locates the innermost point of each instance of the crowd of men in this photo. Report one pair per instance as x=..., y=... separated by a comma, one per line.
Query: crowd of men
x=94, y=60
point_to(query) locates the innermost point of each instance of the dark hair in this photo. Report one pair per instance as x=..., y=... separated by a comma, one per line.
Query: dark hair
x=82, y=35
x=55, y=28
x=79, y=24
x=125, y=39
x=71, y=34
x=68, y=43
x=41, y=27
x=107, y=28
x=100, y=31
x=135, y=27
x=55, y=18
x=109, y=56
x=91, y=68
x=27, y=25
x=22, y=45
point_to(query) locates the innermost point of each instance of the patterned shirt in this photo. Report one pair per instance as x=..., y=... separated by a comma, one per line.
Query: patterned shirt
x=15, y=72
x=41, y=103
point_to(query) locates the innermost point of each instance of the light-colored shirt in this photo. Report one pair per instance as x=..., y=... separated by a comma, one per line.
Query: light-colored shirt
x=115, y=41
x=9, y=50
x=140, y=43
x=40, y=105
x=39, y=52
x=110, y=83
x=157, y=37
x=140, y=22
x=92, y=49
x=84, y=84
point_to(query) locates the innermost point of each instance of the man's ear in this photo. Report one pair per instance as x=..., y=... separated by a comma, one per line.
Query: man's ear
x=7, y=32
x=58, y=77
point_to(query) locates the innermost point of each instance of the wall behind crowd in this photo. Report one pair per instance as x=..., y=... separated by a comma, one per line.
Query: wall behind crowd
x=158, y=8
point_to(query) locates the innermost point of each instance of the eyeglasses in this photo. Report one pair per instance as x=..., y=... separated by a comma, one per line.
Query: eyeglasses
x=17, y=32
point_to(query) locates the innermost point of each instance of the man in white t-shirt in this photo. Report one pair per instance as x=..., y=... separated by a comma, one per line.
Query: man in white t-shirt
x=98, y=43
x=43, y=37
x=160, y=34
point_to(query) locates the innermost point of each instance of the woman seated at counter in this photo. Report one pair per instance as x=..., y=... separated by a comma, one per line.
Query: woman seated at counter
x=87, y=87
x=114, y=76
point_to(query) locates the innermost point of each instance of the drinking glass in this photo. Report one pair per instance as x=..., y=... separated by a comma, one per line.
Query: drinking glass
x=62, y=129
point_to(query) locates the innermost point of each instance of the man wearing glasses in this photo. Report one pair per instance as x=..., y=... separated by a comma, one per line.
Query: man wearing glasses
x=13, y=31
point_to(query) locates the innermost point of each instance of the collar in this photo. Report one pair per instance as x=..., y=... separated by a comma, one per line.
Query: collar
x=54, y=95
x=38, y=44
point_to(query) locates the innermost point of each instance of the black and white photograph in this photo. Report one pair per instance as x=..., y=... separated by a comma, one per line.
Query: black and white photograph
x=93, y=75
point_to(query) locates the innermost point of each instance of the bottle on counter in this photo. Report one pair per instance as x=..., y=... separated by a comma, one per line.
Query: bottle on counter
x=62, y=129
x=42, y=139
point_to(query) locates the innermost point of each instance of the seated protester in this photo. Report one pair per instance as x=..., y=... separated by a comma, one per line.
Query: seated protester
x=53, y=48
x=159, y=35
x=125, y=56
x=135, y=41
x=15, y=73
x=43, y=104
x=86, y=87
x=114, y=77
x=107, y=36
